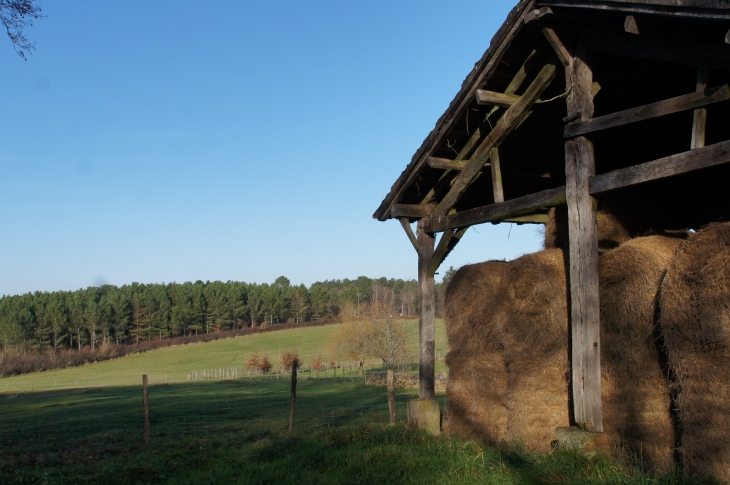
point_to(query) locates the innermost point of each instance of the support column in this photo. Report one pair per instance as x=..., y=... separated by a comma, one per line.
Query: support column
x=583, y=252
x=426, y=316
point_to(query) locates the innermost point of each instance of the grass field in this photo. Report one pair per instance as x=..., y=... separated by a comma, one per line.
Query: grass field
x=172, y=364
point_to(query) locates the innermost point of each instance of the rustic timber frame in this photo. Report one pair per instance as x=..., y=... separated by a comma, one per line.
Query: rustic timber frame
x=577, y=103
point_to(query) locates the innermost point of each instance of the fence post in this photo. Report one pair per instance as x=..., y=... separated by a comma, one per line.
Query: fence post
x=146, y=399
x=293, y=405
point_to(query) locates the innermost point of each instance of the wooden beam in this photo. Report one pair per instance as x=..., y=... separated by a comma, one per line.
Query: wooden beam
x=697, y=159
x=496, y=176
x=531, y=219
x=491, y=98
x=560, y=50
x=412, y=211
x=511, y=118
x=446, y=164
x=409, y=232
x=441, y=250
x=727, y=37
x=426, y=316
x=583, y=253
x=517, y=207
x=715, y=57
x=537, y=14
x=699, y=123
x=649, y=111
x=630, y=25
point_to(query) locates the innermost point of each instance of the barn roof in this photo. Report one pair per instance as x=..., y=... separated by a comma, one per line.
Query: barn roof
x=532, y=159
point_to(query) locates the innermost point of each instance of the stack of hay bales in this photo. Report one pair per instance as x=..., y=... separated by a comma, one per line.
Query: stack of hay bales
x=533, y=314
x=476, y=385
x=695, y=320
x=636, y=400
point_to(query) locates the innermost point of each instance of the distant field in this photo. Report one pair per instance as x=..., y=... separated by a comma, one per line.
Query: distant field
x=172, y=364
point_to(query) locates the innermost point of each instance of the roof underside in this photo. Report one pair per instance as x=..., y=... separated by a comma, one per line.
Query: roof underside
x=533, y=156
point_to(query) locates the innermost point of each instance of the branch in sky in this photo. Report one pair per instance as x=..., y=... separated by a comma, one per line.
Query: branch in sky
x=15, y=16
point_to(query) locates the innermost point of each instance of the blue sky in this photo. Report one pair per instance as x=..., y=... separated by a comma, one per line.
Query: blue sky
x=173, y=140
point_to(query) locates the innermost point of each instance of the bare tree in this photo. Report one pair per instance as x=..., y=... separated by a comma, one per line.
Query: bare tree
x=386, y=338
x=15, y=16
x=349, y=342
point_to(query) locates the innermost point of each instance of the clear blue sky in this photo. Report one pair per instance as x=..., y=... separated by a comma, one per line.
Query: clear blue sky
x=232, y=140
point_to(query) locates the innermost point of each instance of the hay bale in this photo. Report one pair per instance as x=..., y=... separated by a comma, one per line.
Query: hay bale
x=476, y=396
x=475, y=390
x=533, y=314
x=612, y=231
x=695, y=321
x=636, y=400
x=469, y=304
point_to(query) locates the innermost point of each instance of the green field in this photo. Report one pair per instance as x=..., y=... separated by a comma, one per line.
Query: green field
x=173, y=364
x=236, y=431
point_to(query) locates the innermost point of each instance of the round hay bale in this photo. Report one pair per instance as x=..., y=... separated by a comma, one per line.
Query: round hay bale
x=611, y=230
x=695, y=321
x=636, y=399
x=476, y=396
x=533, y=314
x=469, y=305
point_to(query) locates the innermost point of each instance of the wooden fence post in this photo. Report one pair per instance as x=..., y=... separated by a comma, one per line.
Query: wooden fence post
x=293, y=405
x=146, y=399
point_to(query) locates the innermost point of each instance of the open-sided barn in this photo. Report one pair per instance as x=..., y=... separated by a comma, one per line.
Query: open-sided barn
x=605, y=120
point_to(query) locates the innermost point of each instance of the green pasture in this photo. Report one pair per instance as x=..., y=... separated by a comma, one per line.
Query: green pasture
x=236, y=432
x=173, y=364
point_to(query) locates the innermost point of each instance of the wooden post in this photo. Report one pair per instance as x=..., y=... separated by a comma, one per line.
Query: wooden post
x=496, y=175
x=146, y=400
x=426, y=315
x=293, y=405
x=583, y=252
x=700, y=114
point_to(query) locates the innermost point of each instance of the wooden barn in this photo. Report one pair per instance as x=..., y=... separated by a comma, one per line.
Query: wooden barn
x=605, y=120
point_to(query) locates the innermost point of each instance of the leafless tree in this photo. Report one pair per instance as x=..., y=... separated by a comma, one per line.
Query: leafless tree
x=16, y=15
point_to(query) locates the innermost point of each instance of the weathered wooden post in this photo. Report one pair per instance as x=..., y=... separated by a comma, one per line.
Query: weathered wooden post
x=146, y=400
x=293, y=405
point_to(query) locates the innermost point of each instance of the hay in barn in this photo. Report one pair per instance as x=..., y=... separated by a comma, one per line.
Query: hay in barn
x=612, y=231
x=476, y=385
x=476, y=395
x=469, y=305
x=636, y=400
x=533, y=313
x=695, y=321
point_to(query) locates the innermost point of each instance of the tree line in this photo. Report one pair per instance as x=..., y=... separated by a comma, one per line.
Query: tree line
x=104, y=315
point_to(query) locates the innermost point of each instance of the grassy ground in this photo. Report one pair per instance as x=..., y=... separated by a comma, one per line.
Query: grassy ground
x=172, y=364
x=236, y=432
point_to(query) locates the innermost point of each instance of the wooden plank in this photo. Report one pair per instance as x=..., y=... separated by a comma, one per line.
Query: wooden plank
x=426, y=316
x=409, y=232
x=699, y=123
x=531, y=219
x=517, y=207
x=511, y=118
x=630, y=25
x=492, y=98
x=413, y=211
x=649, y=111
x=496, y=176
x=727, y=37
x=583, y=254
x=446, y=164
x=560, y=50
x=537, y=14
x=698, y=159
x=715, y=57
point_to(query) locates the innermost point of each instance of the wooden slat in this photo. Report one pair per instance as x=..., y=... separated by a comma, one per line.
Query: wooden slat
x=409, y=232
x=492, y=98
x=716, y=57
x=560, y=49
x=537, y=14
x=699, y=123
x=508, y=122
x=649, y=111
x=531, y=219
x=583, y=254
x=630, y=25
x=701, y=158
x=408, y=210
x=727, y=37
x=446, y=164
x=496, y=176
x=517, y=207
